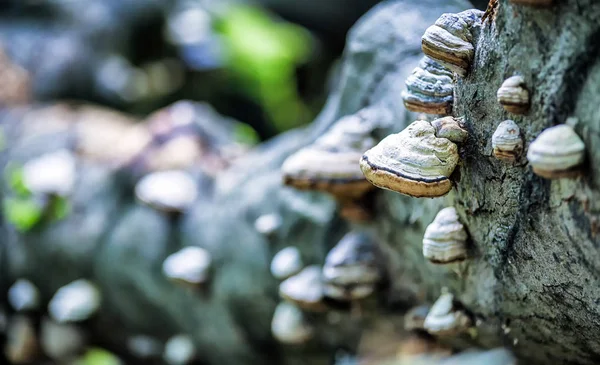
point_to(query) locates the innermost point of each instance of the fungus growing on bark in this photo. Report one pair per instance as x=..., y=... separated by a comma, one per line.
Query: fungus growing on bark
x=189, y=266
x=23, y=296
x=352, y=268
x=513, y=95
x=413, y=162
x=170, y=191
x=289, y=325
x=450, y=128
x=557, y=153
x=305, y=289
x=77, y=301
x=444, y=241
x=507, y=142
x=330, y=164
x=429, y=89
x=286, y=263
x=445, y=318
x=450, y=40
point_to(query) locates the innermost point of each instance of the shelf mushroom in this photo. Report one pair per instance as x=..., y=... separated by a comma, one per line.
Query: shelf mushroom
x=450, y=40
x=450, y=128
x=445, y=318
x=513, y=95
x=352, y=268
x=51, y=174
x=429, y=89
x=189, y=266
x=507, y=142
x=305, y=289
x=170, y=191
x=444, y=241
x=413, y=162
x=556, y=153
x=330, y=164
x=77, y=301
x=286, y=263
x=290, y=326
x=24, y=296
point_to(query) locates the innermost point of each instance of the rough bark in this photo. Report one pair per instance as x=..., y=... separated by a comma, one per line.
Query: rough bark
x=534, y=266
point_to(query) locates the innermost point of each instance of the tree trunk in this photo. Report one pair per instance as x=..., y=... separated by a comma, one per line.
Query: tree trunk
x=532, y=280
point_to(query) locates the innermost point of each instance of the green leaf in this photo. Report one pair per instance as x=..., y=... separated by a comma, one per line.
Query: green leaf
x=23, y=213
x=14, y=176
x=60, y=208
x=245, y=134
x=97, y=356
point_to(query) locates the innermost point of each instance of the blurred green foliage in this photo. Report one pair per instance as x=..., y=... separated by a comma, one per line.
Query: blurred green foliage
x=245, y=134
x=24, y=210
x=23, y=213
x=262, y=54
x=97, y=356
x=16, y=182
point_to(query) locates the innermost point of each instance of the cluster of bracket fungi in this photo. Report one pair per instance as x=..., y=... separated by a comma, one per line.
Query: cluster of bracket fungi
x=419, y=161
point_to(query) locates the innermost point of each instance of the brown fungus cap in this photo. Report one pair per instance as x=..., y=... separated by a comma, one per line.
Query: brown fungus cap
x=330, y=164
x=413, y=162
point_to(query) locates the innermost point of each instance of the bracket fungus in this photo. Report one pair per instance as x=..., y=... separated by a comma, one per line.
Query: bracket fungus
x=75, y=302
x=268, y=224
x=286, y=263
x=190, y=266
x=450, y=40
x=507, y=142
x=23, y=295
x=413, y=162
x=179, y=350
x=51, y=174
x=446, y=318
x=168, y=191
x=415, y=318
x=513, y=95
x=305, y=289
x=330, y=164
x=444, y=241
x=450, y=128
x=289, y=325
x=352, y=268
x=429, y=89
x=556, y=153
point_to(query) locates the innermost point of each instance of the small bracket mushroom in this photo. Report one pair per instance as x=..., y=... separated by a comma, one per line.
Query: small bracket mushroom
x=556, y=153
x=330, y=164
x=444, y=241
x=352, y=268
x=513, y=95
x=507, y=142
x=429, y=89
x=446, y=318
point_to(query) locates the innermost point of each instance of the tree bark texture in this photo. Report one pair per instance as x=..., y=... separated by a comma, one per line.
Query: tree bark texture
x=532, y=280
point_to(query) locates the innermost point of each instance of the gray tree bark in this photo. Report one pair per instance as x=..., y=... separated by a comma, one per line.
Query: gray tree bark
x=534, y=265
